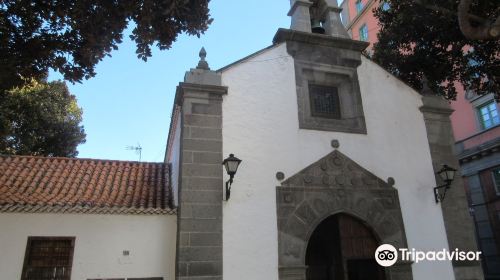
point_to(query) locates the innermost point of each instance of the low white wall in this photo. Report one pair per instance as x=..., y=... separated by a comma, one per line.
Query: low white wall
x=99, y=244
x=260, y=126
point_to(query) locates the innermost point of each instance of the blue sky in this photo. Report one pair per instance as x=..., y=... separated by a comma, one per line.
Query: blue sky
x=129, y=102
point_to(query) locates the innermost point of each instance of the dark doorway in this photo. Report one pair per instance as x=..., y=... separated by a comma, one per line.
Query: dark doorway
x=342, y=248
x=364, y=270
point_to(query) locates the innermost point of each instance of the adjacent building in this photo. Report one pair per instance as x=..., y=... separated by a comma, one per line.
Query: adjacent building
x=81, y=219
x=475, y=123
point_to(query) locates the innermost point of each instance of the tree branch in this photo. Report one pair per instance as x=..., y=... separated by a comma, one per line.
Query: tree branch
x=486, y=31
x=450, y=12
x=495, y=28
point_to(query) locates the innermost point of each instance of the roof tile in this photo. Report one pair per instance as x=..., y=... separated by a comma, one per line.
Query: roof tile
x=67, y=185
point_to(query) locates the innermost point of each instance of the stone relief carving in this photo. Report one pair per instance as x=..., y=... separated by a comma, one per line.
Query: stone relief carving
x=335, y=184
x=334, y=171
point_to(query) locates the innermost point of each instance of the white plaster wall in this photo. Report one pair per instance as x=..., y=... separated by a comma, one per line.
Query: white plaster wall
x=174, y=160
x=260, y=126
x=99, y=244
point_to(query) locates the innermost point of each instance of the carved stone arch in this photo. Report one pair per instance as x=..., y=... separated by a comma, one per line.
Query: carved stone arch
x=347, y=213
x=335, y=184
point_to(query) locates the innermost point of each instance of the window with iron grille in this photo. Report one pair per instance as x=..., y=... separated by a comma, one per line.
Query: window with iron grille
x=324, y=101
x=48, y=258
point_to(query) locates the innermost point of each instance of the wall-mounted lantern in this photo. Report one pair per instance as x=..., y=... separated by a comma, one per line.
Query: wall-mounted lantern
x=447, y=174
x=231, y=164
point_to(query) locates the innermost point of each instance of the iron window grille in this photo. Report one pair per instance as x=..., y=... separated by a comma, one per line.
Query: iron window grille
x=325, y=101
x=48, y=258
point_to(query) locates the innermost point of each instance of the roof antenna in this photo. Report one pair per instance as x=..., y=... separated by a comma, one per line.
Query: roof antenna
x=137, y=149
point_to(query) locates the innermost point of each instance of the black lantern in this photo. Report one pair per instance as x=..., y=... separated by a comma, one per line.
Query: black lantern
x=447, y=174
x=231, y=164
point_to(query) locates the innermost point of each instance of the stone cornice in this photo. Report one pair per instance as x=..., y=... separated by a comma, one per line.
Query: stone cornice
x=182, y=88
x=57, y=209
x=284, y=35
x=480, y=151
x=435, y=104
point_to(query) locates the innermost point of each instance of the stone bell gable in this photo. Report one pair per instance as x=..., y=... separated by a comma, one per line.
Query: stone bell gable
x=335, y=184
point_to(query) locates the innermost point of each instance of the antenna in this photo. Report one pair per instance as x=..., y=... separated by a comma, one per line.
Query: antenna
x=137, y=149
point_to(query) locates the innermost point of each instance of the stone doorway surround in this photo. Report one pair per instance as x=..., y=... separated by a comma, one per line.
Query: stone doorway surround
x=332, y=185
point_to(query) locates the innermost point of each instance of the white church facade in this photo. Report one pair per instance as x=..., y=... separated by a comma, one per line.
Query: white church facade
x=338, y=157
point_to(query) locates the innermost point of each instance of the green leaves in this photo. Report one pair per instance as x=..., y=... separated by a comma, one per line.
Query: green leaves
x=40, y=119
x=73, y=36
x=421, y=38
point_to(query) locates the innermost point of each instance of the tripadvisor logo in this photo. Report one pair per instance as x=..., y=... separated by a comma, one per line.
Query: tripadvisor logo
x=386, y=255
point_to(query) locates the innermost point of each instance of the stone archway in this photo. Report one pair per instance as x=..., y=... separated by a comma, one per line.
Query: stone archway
x=335, y=184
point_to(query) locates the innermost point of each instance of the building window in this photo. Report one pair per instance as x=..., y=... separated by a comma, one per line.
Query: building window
x=496, y=180
x=359, y=6
x=488, y=115
x=324, y=101
x=363, y=33
x=48, y=258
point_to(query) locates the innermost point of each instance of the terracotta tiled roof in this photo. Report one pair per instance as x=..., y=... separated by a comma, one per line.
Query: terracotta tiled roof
x=41, y=184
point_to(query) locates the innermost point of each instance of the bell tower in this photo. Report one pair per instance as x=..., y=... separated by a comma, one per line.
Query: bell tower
x=326, y=60
x=317, y=16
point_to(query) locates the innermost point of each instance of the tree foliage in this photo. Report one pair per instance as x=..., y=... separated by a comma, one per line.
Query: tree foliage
x=41, y=119
x=73, y=36
x=417, y=40
x=484, y=27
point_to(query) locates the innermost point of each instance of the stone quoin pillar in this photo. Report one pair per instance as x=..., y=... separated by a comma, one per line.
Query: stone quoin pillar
x=199, y=240
x=457, y=220
x=301, y=18
x=332, y=23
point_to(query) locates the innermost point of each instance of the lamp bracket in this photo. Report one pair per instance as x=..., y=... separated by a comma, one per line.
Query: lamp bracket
x=440, y=197
x=228, y=187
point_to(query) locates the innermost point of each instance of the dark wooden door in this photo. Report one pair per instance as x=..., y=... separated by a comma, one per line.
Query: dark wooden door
x=342, y=248
x=364, y=270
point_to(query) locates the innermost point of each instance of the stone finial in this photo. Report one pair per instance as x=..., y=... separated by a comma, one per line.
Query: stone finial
x=203, y=64
x=202, y=75
x=426, y=90
x=391, y=182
